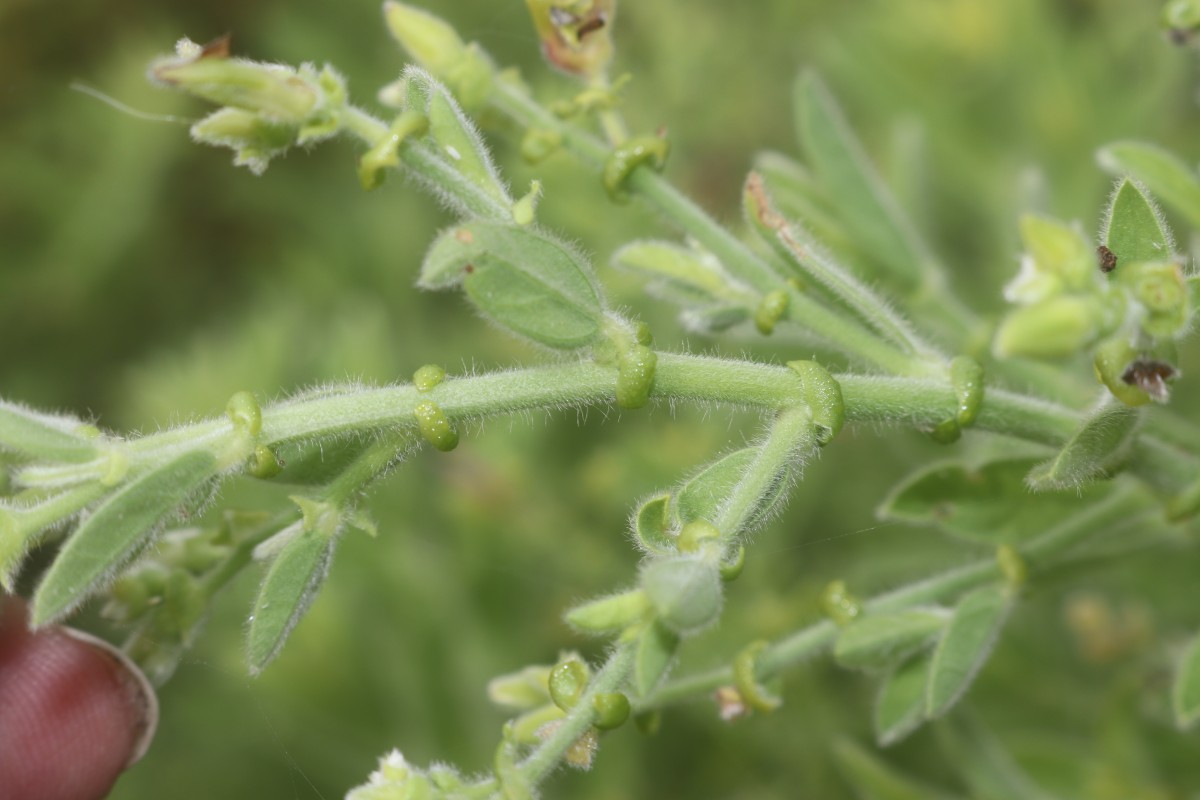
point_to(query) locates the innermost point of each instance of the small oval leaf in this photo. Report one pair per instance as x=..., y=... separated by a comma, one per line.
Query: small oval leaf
x=1133, y=228
x=521, y=280
x=1097, y=449
x=878, y=641
x=116, y=531
x=287, y=590
x=700, y=498
x=965, y=646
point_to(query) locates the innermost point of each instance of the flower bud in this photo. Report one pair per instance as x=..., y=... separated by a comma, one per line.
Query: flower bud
x=684, y=590
x=273, y=90
x=1054, y=328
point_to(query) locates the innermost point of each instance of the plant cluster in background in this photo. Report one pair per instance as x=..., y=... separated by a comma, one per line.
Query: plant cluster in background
x=1064, y=458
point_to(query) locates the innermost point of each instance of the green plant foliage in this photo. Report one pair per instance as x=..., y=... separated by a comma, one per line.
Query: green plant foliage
x=965, y=646
x=898, y=280
x=990, y=503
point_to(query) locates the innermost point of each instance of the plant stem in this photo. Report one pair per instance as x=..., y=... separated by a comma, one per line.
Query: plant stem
x=1043, y=552
x=917, y=402
x=610, y=678
x=790, y=440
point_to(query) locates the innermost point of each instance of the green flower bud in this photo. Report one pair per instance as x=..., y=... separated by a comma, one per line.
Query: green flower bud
x=1161, y=290
x=773, y=307
x=1054, y=328
x=428, y=39
x=685, y=591
x=608, y=614
x=433, y=44
x=254, y=140
x=523, y=689
x=275, y=91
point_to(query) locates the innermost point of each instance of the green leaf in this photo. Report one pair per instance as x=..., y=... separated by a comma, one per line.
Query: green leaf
x=520, y=279
x=287, y=590
x=878, y=641
x=38, y=435
x=1133, y=228
x=989, y=503
x=965, y=646
x=900, y=707
x=1097, y=449
x=681, y=275
x=984, y=762
x=459, y=143
x=117, y=531
x=701, y=496
x=656, y=647
x=307, y=464
x=652, y=525
x=1163, y=173
x=873, y=779
x=1185, y=693
x=867, y=208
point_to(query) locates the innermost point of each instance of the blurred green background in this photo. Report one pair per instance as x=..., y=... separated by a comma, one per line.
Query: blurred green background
x=143, y=280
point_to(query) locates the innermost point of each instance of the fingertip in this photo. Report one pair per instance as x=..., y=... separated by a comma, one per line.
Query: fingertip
x=74, y=712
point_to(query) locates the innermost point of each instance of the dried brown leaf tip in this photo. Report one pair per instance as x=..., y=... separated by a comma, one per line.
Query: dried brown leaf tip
x=1107, y=259
x=217, y=48
x=1151, y=377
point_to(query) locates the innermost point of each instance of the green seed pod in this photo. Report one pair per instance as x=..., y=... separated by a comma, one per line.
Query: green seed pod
x=773, y=307
x=612, y=710
x=435, y=427
x=839, y=604
x=823, y=395
x=243, y=411
x=650, y=151
x=966, y=376
x=753, y=693
x=567, y=682
x=635, y=376
x=428, y=377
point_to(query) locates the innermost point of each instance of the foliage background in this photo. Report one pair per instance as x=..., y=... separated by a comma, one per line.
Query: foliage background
x=143, y=280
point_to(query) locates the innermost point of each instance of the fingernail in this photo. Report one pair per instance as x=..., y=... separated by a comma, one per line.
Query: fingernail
x=139, y=692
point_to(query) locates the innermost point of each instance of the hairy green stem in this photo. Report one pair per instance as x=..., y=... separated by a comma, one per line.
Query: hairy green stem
x=790, y=439
x=1044, y=552
x=917, y=402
